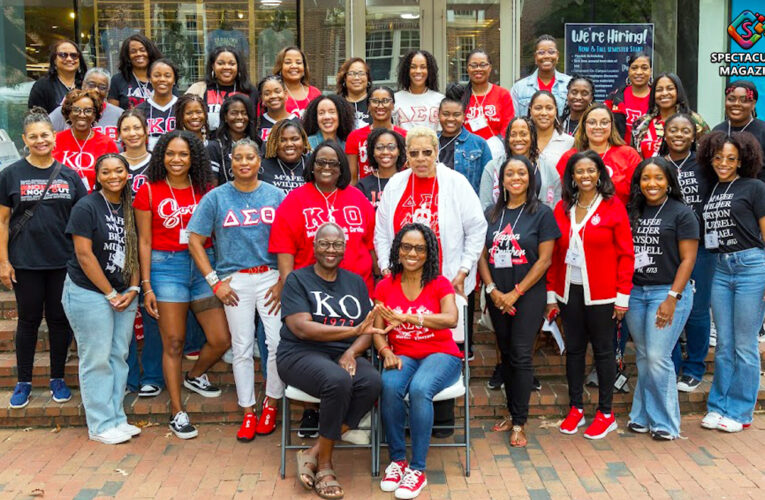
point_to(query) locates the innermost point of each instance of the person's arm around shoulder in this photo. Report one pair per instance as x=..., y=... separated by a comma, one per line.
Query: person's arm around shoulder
x=198, y=88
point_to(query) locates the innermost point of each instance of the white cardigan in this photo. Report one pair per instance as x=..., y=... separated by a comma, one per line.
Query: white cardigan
x=460, y=219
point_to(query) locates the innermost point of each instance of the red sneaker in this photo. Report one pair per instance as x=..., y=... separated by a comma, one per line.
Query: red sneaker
x=247, y=430
x=394, y=473
x=412, y=484
x=601, y=426
x=267, y=422
x=573, y=421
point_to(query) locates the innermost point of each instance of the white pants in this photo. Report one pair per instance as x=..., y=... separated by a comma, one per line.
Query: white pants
x=251, y=289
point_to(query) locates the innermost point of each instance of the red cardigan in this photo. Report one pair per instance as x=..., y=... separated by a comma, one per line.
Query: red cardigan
x=620, y=162
x=608, y=253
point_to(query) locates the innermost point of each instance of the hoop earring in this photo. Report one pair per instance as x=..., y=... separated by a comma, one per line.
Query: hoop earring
x=212, y=74
x=627, y=81
x=504, y=194
x=597, y=184
x=573, y=184
x=669, y=190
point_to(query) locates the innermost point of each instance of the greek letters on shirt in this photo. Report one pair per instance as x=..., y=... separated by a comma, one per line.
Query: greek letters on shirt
x=416, y=114
x=408, y=331
x=249, y=217
x=32, y=189
x=171, y=214
x=160, y=125
x=507, y=241
x=316, y=216
x=349, y=306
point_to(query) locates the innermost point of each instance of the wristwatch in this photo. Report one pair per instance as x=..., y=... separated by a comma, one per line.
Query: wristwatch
x=674, y=294
x=490, y=288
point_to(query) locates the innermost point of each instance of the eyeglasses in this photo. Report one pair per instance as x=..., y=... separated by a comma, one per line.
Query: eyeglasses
x=482, y=65
x=542, y=52
x=597, y=124
x=385, y=147
x=76, y=110
x=324, y=245
x=100, y=86
x=731, y=99
x=408, y=247
x=68, y=55
x=724, y=159
x=427, y=153
x=384, y=101
x=322, y=163
x=356, y=74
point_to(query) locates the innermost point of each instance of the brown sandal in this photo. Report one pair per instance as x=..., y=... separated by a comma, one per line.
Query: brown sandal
x=518, y=437
x=306, y=475
x=503, y=425
x=321, y=486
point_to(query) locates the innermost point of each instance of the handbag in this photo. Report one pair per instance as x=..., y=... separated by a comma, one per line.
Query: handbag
x=29, y=212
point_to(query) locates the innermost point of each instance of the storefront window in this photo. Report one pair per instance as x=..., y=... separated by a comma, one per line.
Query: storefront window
x=469, y=26
x=393, y=29
x=323, y=39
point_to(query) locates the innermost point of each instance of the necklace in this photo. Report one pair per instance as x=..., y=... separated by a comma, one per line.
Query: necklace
x=442, y=148
x=330, y=206
x=245, y=195
x=79, y=166
x=678, y=167
x=69, y=88
x=297, y=106
x=292, y=170
x=747, y=124
x=110, y=205
x=586, y=207
x=135, y=158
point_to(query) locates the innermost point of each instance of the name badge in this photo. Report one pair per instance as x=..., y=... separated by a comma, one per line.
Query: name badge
x=213, y=119
x=711, y=240
x=574, y=257
x=642, y=259
x=118, y=257
x=503, y=259
x=478, y=123
x=183, y=237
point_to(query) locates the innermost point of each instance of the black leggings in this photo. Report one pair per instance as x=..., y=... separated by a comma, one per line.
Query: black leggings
x=594, y=324
x=344, y=400
x=515, y=339
x=35, y=291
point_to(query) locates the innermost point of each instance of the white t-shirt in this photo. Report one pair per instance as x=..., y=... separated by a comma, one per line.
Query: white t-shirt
x=413, y=110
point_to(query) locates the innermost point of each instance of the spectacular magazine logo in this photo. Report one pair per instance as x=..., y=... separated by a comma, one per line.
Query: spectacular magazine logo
x=745, y=30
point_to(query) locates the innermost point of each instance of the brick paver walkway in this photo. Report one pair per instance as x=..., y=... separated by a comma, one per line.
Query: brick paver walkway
x=708, y=464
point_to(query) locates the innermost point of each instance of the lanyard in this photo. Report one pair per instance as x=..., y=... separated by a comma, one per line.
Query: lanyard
x=478, y=104
x=432, y=191
x=441, y=148
x=715, y=189
x=81, y=147
x=330, y=207
x=658, y=211
x=144, y=88
x=109, y=206
x=193, y=197
x=292, y=170
x=748, y=123
x=297, y=106
x=512, y=228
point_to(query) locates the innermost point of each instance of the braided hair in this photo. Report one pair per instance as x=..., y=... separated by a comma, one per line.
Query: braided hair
x=126, y=200
x=272, y=143
x=430, y=270
x=199, y=171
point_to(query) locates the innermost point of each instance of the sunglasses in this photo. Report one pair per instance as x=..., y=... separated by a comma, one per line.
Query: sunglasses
x=68, y=55
x=427, y=153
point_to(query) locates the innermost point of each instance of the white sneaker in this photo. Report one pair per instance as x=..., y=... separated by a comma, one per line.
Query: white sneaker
x=711, y=420
x=130, y=430
x=228, y=356
x=729, y=425
x=110, y=436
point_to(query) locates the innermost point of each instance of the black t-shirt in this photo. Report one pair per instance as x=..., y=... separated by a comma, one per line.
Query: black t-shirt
x=343, y=302
x=92, y=218
x=285, y=176
x=159, y=119
x=734, y=210
x=446, y=150
x=658, y=233
x=756, y=128
x=361, y=109
x=130, y=92
x=47, y=92
x=694, y=183
x=372, y=187
x=219, y=152
x=520, y=244
x=41, y=243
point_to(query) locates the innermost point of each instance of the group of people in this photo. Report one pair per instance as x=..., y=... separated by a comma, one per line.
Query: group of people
x=322, y=231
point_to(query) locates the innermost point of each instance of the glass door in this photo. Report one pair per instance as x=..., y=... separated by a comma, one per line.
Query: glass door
x=393, y=28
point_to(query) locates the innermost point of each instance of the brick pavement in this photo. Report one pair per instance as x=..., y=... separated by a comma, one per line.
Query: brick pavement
x=42, y=463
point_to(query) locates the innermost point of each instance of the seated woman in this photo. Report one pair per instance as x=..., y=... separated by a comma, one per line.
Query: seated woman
x=328, y=320
x=420, y=356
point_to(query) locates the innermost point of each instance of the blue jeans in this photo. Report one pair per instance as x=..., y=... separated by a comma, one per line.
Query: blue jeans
x=655, y=403
x=150, y=356
x=103, y=336
x=422, y=379
x=699, y=322
x=737, y=304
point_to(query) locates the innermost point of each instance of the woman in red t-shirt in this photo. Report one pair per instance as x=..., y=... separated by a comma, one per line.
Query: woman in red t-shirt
x=631, y=101
x=292, y=66
x=79, y=146
x=327, y=196
x=489, y=107
x=177, y=177
x=420, y=357
x=599, y=134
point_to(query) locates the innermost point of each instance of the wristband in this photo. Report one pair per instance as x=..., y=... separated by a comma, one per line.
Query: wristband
x=133, y=289
x=148, y=291
x=216, y=286
x=518, y=289
x=111, y=295
x=145, y=281
x=212, y=278
x=379, y=353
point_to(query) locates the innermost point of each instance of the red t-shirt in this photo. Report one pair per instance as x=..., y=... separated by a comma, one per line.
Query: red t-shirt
x=620, y=162
x=547, y=87
x=305, y=209
x=634, y=107
x=356, y=144
x=497, y=109
x=651, y=142
x=297, y=107
x=170, y=212
x=411, y=340
x=419, y=203
x=82, y=158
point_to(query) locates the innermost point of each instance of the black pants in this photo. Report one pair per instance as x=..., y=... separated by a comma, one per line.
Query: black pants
x=344, y=399
x=594, y=324
x=515, y=339
x=37, y=291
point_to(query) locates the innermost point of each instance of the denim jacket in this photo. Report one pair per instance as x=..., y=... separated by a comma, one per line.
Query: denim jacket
x=523, y=90
x=471, y=154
